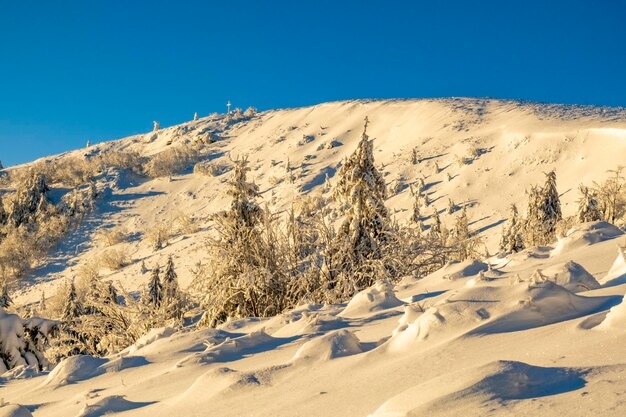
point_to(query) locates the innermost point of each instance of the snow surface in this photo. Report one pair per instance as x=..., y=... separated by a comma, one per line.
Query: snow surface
x=466, y=340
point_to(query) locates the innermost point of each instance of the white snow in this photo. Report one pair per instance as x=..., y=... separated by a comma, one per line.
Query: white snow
x=465, y=340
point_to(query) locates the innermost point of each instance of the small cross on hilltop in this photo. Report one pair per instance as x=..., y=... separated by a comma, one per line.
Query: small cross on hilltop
x=228, y=106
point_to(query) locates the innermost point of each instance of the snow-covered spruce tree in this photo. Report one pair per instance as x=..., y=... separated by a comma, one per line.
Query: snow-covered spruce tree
x=365, y=227
x=28, y=199
x=451, y=206
x=245, y=276
x=73, y=307
x=611, y=198
x=544, y=212
x=588, y=208
x=464, y=241
x=512, y=239
x=17, y=348
x=155, y=289
x=435, y=226
x=5, y=298
x=3, y=214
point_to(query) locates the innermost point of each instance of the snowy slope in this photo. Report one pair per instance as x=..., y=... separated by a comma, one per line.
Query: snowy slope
x=456, y=341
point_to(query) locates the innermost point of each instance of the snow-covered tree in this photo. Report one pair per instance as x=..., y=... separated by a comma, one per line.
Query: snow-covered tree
x=72, y=307
x=544, y=212
x=610, y=194
x=365, y=227
x=155, y=289
x=512, y=233
x=170, y=280
x=5, y=298
x=435, y=226
x=195, y=116
x=451, y=206
x=246, y=276
x=156, y=126
x=30, y=198
x=588, y=208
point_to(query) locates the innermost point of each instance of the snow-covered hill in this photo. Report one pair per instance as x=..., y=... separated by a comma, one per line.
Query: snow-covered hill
x=466, y=339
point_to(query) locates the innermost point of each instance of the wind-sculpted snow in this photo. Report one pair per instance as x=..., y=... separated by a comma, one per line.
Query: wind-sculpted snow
x=617, y=273
x=379, y=296
x=475, y=388
x=572, y=276
x=14, y=410
x=586, y=234
x=330, y=346
x=109, y=405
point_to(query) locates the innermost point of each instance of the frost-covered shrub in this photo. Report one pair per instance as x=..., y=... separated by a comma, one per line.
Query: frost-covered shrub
x=114, y=259
x=210, y=169
x=111, y=236
x=158, y=235
x=250, y=112
x=171, y=161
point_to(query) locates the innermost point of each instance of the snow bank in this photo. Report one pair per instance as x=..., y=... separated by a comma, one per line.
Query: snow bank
x=109, y=405
x=152, y=336
x=379, y=296
x=471, y=388
x=233, y=349
x=330, y=346
x=617, y=273
x=14, y=410
x=572, y=276
x=584, y=235
x=616, y=317
x=456, y=270
x=74, y=369
x=307, y=322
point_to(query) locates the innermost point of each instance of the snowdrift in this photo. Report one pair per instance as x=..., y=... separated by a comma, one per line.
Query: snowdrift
x=330, y=346
x=471, y=388
x=584, y=235
x=617, y=273
x=572, y=276
x=378, y=297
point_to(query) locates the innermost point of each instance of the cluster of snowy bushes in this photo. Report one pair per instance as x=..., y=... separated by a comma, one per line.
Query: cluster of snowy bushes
x=260, y=264
x=544, y=221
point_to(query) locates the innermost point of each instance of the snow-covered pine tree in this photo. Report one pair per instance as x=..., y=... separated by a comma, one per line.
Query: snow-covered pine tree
x=111, y=295
x=588, y=208
x=73, y=308
x=195, y=116
x=365, y=227
x=170, y=280
x=512, y=233
x=3, y=214
x=610, y=195
x=464, y=241
x=5, y=298
x=435, y=226
x=544, y=212
x=28, y=199
x=416, y=216
x=42, y=304
x=156, y=127
x=452, y=206
x=155, y=289
x=246, y=278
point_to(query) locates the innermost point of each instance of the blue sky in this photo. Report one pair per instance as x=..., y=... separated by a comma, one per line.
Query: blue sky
x=74, y=70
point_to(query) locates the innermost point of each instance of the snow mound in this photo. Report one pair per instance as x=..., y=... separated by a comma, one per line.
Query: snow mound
x=457, y=270
x=217, y=381
x=14, y=410
x=233, y=349
x=307, y=322
x=379, y=296
x=617, y=273
x=468, y=389
x=490, y=308
x=572, y=276
x=330, y=346
x=586, y=234
x=109, y=405
x=616, y=317
x=538, y=304
x=74, y=369
x=124, y=362
x=152, y=336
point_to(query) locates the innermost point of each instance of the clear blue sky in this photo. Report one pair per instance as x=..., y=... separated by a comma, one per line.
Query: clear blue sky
x=73, y=70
